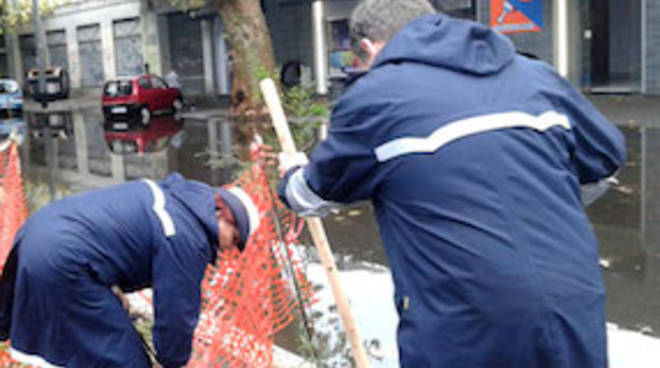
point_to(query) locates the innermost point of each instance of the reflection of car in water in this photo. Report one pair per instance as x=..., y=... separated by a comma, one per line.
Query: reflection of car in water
x=60, y=124
x=7, y=126
x=152, y=139
x=137, y=99
x=11, y=99
x=56, y=84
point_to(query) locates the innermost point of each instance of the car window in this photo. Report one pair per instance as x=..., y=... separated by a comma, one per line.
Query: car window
x=157, y=82
x=118, y=88
x=144, y=83
x=8, y=87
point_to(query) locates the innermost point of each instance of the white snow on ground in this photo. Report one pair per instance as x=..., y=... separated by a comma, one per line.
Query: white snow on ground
x=370, y=293
x=631, y=349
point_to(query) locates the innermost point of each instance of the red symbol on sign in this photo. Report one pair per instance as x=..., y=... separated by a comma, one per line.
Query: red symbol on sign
x=505, y=18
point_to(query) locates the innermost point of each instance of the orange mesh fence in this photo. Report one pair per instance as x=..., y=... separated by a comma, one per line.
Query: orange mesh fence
x=247, y=298
x=13, y=211
x=13, y=208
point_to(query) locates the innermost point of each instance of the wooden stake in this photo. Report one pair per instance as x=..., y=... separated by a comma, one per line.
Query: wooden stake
x=315, y=226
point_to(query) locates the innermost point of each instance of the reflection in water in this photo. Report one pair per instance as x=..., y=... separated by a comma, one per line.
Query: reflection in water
x=59, y=124
x=625, y=220
x=7, y=126
x=83, y=150
x=156, y=137
x=625, y=223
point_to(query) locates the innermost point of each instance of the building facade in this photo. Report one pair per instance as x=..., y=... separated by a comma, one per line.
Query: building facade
x=602, y=46
x=96, y=40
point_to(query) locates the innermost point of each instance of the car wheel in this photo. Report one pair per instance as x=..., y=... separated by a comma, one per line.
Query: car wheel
x=145, y=116
x=177, y=109
x=177, y=105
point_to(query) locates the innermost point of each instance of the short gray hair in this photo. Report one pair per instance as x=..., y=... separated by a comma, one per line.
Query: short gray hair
x=378, y=20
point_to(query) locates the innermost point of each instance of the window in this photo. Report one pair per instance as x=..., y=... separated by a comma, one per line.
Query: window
x=157, y=82
x=118, y=88
x=8, y=87
x=342, y=50
x=57, y=48
x=144, y=83
x=128, y=39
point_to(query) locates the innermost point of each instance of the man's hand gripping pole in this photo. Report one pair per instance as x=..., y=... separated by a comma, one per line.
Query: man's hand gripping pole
x=315, y=225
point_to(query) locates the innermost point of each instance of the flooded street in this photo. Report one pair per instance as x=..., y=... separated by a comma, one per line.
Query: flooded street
x=76, y=151
x=103, y=92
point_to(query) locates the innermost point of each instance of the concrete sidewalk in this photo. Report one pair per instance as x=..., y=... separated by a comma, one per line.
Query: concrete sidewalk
x=86, y=101
x=622, y=110
x=629, y=110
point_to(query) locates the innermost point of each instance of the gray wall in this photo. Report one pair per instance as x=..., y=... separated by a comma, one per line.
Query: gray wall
x=83, y=13
x=128, y=46
x=577, y=46
x=625, y=39
x=186, y=52
x=4, y=55
x=652, y=47
x=452, y=4
x=91, y=55
x=290, y=28
x=164, y=43
x=57, y=50
x=340, y=8
x=4, y=67
x=28, y=54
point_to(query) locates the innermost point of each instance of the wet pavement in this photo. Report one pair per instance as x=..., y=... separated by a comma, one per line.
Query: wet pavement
x=625, y=220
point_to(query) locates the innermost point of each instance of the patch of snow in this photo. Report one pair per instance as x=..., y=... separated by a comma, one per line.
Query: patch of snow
x=370, y=293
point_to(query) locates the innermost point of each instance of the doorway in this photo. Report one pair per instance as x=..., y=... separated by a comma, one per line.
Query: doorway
x=613, y=38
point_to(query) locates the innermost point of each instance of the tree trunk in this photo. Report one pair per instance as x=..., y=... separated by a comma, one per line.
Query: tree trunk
x=252, y=51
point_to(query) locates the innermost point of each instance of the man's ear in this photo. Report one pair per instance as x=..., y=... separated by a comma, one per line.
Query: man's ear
x=371, y=48
x=368, y=47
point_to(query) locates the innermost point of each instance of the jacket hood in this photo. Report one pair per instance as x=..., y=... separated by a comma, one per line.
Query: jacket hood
x=197, y=198
x=449, y=43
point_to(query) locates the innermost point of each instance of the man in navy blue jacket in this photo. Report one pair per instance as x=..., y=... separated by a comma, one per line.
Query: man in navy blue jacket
x=58, y=277
x=473, y=158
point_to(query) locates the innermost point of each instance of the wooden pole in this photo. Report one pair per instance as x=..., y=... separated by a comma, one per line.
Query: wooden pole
x=315, y=226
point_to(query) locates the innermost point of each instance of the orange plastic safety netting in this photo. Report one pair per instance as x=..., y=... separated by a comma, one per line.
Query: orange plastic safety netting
x=247, y=298
x=13, y=208
x=13, y=211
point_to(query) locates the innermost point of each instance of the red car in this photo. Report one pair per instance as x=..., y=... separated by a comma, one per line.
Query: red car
x=152, y=139
x=136, y=99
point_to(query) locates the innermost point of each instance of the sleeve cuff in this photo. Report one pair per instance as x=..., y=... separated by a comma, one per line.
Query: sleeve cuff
x=281, y=190
x=298, y=196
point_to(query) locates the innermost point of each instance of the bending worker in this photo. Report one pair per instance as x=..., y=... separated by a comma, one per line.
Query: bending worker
x=473, y=158
x=58, y=277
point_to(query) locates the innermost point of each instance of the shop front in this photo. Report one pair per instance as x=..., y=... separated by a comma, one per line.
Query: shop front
x=601, y=46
